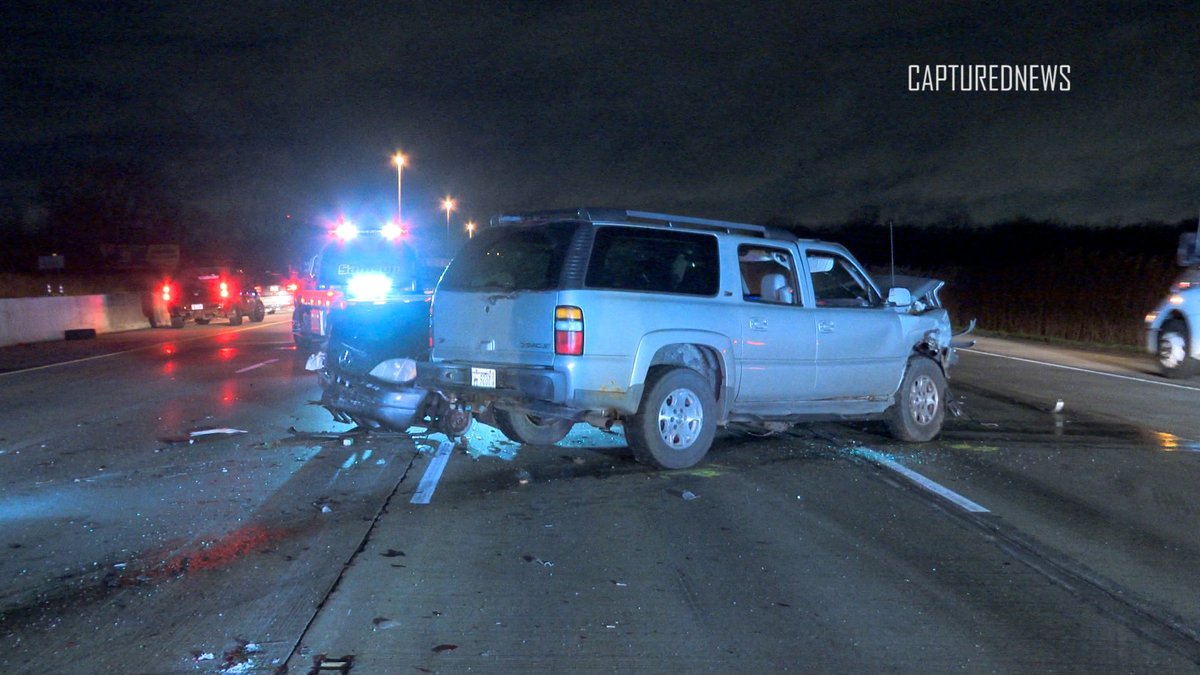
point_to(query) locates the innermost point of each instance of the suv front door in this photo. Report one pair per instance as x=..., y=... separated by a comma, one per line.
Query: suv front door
x=861, y=350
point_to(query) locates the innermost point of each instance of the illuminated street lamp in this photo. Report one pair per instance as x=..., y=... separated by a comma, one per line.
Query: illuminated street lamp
x=470, y=230
x=399, y=160
x=448, y=205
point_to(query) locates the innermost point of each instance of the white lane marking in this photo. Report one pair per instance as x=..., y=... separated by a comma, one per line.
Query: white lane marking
x=1083, y=370
x=934, y=487
x=156, y=345
x=433, y=473
x=257, y=365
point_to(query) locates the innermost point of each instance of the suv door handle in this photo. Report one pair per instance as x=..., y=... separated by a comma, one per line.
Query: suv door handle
x=758, y=323
x=824, y=326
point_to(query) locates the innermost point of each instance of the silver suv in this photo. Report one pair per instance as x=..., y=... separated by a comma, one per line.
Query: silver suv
x=671, y=326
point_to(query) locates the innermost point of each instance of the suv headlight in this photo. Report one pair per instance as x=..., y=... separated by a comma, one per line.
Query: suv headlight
x=396, y=371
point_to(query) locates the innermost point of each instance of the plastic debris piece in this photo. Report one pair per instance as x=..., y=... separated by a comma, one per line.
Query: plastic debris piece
x=393, y=553
x=205, y=656
x=347, y=442
x=1058, y=406
x=688, y=495
x=536, y=560
x=384, y=623
x=210, y=432
x=444, y=648
x=325, y=509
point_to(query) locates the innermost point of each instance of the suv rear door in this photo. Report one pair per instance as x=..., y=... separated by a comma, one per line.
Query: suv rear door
x=777, y=347
x=495, y=303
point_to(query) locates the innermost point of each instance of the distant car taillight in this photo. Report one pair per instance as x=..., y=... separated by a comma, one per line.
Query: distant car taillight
x=568, y=330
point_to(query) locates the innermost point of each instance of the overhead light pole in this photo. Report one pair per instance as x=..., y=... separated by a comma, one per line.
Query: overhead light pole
x=400, y=160
x=448, y=205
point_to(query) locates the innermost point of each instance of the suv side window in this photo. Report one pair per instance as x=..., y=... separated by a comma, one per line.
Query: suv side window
x=644, y=259
x=768, y=274
x=838, y=283
x=512, y=259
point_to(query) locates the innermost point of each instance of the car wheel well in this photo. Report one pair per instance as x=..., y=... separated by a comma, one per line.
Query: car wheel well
x=700, y=358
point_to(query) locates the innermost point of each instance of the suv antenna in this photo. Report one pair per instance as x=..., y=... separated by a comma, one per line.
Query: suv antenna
x=892, y=246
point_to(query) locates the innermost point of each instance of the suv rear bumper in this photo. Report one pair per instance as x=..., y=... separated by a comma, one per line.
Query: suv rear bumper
x=535, y=390
x=540, y=384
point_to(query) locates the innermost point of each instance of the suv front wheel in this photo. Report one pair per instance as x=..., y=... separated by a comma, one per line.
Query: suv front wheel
x=530, y=429
x=920, y=405
x=675, y=425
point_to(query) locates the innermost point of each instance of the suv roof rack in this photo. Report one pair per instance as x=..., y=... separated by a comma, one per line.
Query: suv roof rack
x=631, y=216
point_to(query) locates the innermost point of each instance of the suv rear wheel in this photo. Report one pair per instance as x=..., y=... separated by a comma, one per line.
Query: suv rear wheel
x=675, y=425
x=532, y=429
x=920, y=405
x=235, y=317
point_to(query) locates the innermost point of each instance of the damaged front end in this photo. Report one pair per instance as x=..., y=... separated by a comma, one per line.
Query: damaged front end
x=938, y=341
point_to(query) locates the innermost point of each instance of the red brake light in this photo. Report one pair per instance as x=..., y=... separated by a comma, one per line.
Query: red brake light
x=568, y=330
x=224, y=290
x=166, y=292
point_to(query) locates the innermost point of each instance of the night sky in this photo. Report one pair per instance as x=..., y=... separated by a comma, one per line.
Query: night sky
x=750, y=111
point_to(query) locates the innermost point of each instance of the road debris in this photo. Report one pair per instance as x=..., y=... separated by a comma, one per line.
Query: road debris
x=533, y=559
x=393, y=553
x=384, y=623
x=444, y=648
x=524, y=477
x=325, y=665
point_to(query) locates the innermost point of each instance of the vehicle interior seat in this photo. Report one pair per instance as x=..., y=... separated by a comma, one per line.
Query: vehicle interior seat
x=775, y=288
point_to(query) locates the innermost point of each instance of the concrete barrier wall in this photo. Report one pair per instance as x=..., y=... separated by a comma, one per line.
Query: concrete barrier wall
x=42, y=319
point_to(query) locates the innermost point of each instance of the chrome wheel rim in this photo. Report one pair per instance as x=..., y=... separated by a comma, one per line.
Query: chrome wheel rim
x=680, y=419
x=1172, y=350
x=923, y=399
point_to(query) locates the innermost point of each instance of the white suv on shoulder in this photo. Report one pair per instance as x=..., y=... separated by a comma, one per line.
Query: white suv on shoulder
x=671, y=326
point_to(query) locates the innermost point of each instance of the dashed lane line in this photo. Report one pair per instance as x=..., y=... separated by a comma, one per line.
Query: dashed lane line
x=433, y=473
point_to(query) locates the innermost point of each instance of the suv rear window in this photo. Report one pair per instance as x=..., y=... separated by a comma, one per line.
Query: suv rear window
x=644, y=259
x=511, y=259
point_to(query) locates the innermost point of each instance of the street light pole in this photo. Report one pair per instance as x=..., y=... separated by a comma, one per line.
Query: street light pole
x=399, y=160
x=448, y=204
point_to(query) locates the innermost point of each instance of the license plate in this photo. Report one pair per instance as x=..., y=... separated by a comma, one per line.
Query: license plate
x=483, y=377
x=198, y=306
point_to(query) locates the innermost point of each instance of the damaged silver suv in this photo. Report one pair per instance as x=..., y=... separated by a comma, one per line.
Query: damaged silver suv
x=671, y=326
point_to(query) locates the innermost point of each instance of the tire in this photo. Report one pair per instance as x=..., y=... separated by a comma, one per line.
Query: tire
x=676, y=421
x=920, y=407
x=531, y=429
x=259, y=313
x=235, y=317
x=177, y=322
x=1174, y=349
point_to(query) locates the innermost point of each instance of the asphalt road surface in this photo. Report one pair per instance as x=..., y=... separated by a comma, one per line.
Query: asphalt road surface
x=159, y=516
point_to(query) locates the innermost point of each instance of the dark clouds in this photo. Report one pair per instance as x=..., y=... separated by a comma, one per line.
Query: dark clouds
x=790, y=109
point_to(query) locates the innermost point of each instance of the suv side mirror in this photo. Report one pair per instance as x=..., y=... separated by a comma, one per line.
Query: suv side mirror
x=899, y=297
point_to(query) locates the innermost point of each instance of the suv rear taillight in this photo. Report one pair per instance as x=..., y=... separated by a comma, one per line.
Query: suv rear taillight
x=224, y=290
x=166, y=293
x=568, y=330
